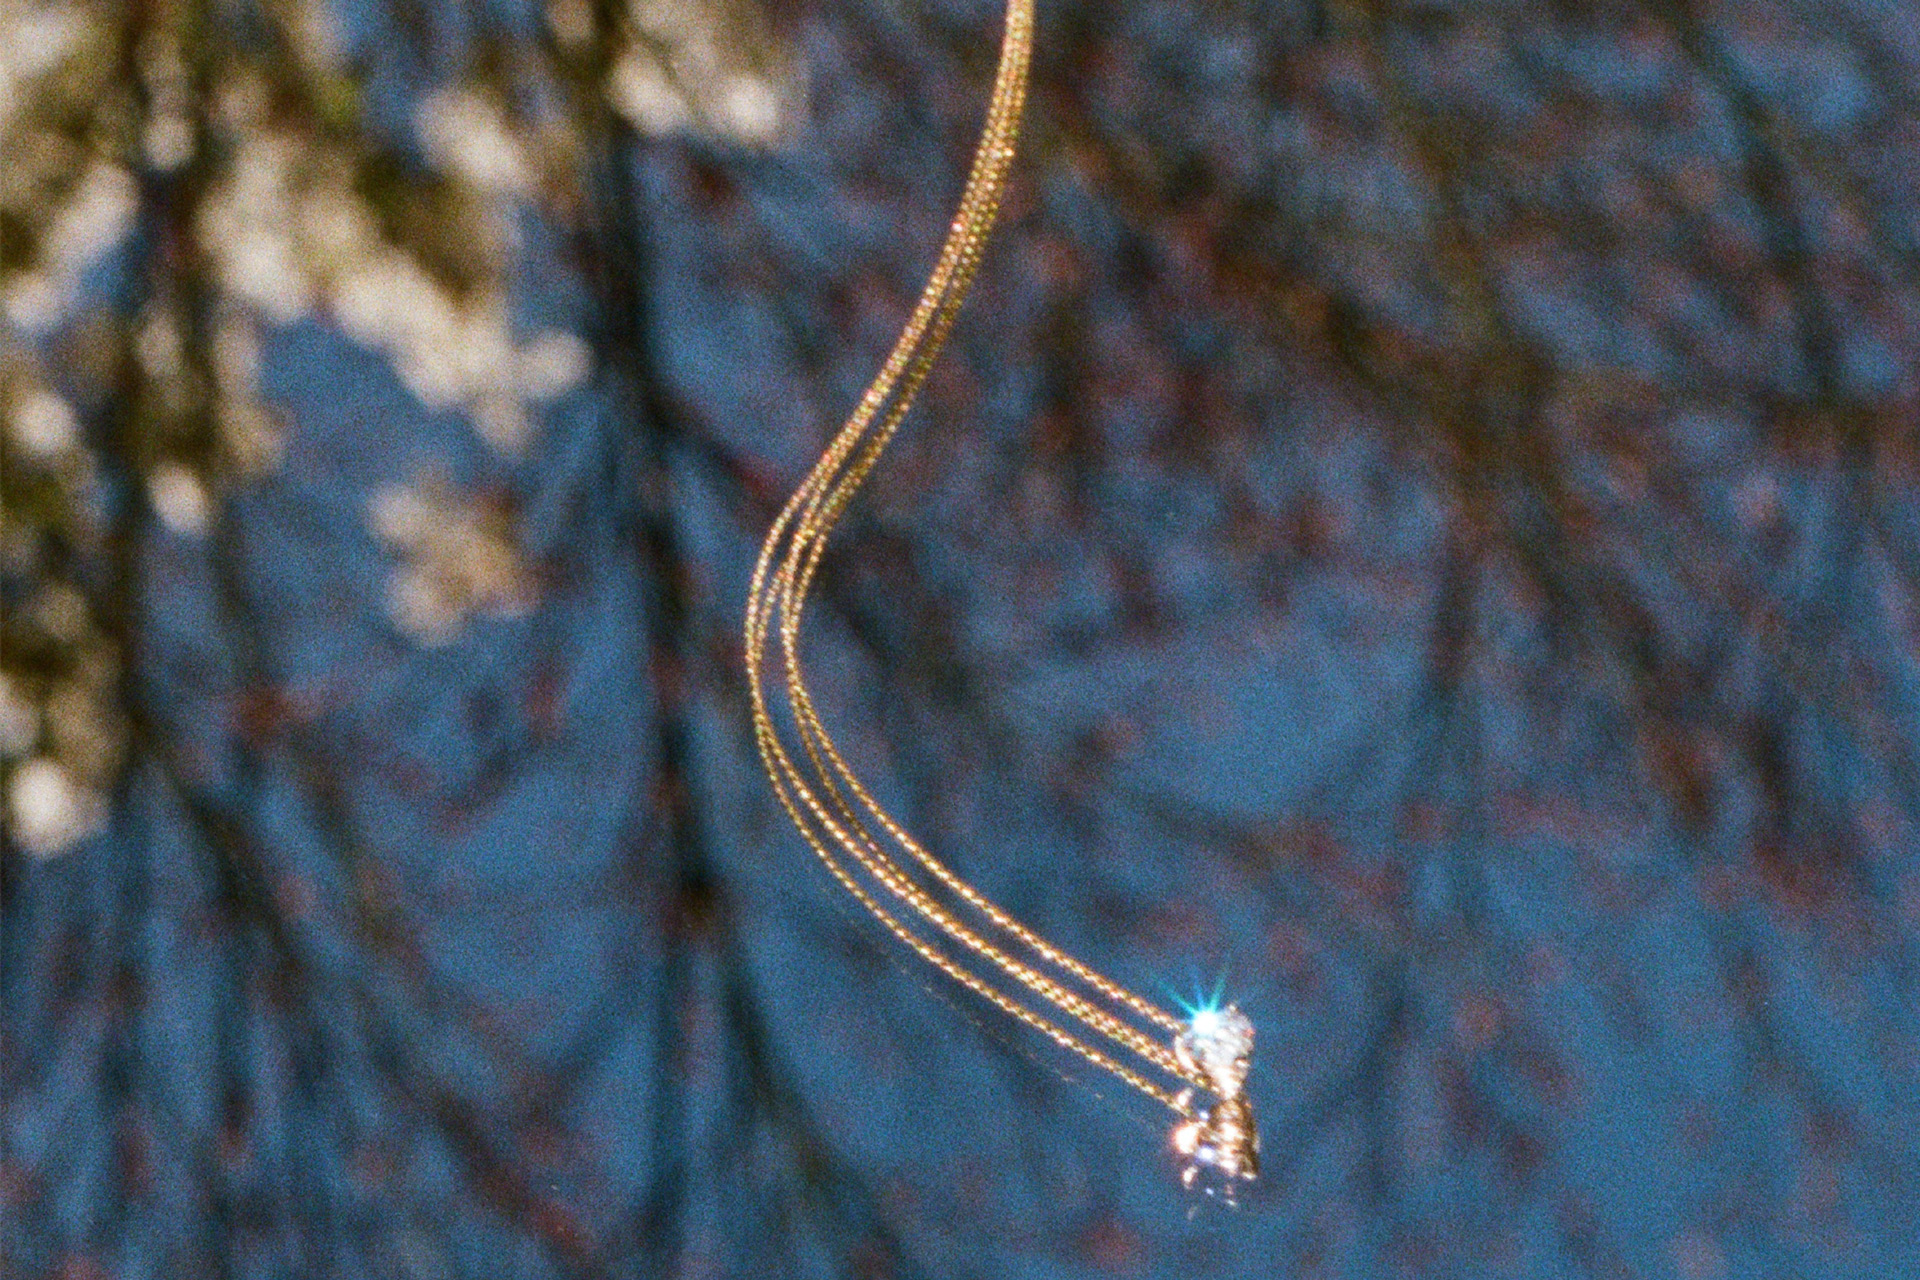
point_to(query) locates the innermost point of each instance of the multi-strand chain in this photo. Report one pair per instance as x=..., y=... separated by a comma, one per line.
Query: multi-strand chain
x=865, y=849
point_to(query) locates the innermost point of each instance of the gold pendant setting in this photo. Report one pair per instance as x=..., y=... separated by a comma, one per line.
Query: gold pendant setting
x=1221, y=1143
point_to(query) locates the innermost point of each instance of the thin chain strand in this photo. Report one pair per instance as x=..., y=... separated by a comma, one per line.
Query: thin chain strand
x=993, y=151
x=971, y=982
x=894, y=883
x=779, y=587
x=996, y=148
x=813, y=526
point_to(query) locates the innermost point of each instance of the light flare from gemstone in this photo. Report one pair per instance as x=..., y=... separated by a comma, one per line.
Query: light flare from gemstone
x=1221, y=1143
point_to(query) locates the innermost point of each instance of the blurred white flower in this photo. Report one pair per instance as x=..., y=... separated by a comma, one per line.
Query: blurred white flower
x=236, y=358
x=503, y=422
x=469, y=135
x=400, y=514
x=456, y=560
x=749, y=108
x=94, y=219
x=289, y=234
x=47, y=811
x=61, y=611
x=158, y=344
x=169, y=142
x=421, y=609
x=246, y=227
x=263, y=268
x=179, y=499
x=33, y=41
x=640, y=90
x=33, y=301
x=44, y=424
x=705, y=63
x=554, y=362
x=250, y=434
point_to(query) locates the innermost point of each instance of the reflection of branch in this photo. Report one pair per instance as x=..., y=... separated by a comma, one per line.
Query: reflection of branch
x=1769, y=184
x=225, y=819
x=1361, y=1083
x=1774, y=1058
x=649, y=441
x=496, y=1173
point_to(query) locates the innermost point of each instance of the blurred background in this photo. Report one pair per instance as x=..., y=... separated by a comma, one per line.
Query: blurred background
x=1418, y=524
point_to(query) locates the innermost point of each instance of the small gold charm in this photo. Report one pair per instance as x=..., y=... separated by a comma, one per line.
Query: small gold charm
x=1221, y=1144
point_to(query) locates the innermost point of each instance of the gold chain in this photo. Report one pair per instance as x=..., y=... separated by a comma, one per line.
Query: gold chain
x=834, y=811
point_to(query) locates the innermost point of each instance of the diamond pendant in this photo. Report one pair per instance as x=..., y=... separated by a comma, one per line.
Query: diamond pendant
x=1221, y=1143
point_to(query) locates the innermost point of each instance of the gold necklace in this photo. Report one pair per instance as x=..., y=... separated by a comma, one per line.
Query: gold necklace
x=865, y=849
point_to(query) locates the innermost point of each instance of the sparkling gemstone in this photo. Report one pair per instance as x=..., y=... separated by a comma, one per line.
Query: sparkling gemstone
x=1220, y=1145
x=1217, y=1043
